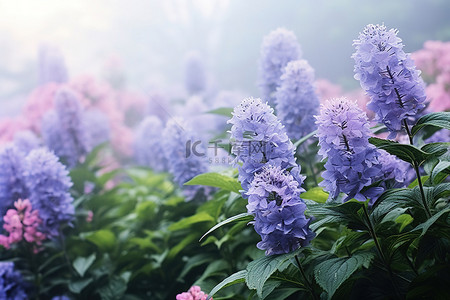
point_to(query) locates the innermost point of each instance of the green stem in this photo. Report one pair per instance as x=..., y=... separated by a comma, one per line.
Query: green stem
x=306, y=278
x=416, y=169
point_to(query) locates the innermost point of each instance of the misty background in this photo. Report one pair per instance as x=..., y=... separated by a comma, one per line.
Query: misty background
x=150, y=38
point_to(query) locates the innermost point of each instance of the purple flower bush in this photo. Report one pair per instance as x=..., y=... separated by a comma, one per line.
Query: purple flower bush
x=389, y=77
x=194, y=73
x=297, y=101
x=258, y=138
x=148, y=148
x=343, y=132
x=274, y=199
x=64, y=130
x=182, y=162
x=42, y=179
x=11, y=282
x=278, y=48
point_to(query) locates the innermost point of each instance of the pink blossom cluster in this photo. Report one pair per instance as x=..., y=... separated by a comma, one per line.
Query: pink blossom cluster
x=194, y=293
x=22, y=223
x=434, y=61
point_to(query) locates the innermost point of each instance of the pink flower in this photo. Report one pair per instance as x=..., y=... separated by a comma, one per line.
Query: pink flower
x=89, y=216
x=194, y=293
x=22, y=223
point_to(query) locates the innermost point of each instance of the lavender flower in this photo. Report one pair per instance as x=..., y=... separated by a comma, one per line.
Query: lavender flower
x=389, y=77
x=258, y=138
x=52, y=67
x=12, y=186
x=64, y=130
x=274, y=199
x=343, y=132
x=278, y=48
x=26, y=141
x=297, y=101
x=183, y=163
x=11, y=282
x=194, y=73
x=148, y=148
x=97, y=125
x=48, y=183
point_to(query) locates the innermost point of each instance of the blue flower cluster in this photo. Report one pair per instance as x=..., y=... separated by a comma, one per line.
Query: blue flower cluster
x=194, y=73
x=258, y=138
x=393, y=171
x=48, y=183
x=11, y=282
x=52, y=67
x=64, y=130
x=274, y=200
x=343, y=132
x=98, y=124
x=278, y=48
x=26, y=141
x=182, y=162
x=297, y=101
x=270, y=177
x=40, y=177
x=389, y=77
x=12, y=186
x=148, y=148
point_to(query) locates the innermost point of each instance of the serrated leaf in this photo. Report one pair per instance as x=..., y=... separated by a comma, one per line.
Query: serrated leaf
x=216, y=180
x=439, y=119
x=223, y=111
x=82, y=264
x=186, y=222
x=258, y=271
x=331, y=273
x=244, y=217
x=316, y=194
x=235, y=278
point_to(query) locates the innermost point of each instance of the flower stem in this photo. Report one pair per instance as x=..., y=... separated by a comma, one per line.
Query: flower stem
x=416, y=168
x=306, y=278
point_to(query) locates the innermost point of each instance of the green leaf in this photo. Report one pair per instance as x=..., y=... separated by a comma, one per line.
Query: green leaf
x=244, y=217
x=216, y=180
x=404, y=220
x=78, y=286
x=425, y=226
x=408, y=153
x=114, y=290
x=316, y=194
x=103, y=238
x=439, y=119
x=186, y=222
x=223, y=111
x=443, y=167
x=416, y=181
x=237, y=277
x=331, y=273
x=258, y=271
x=181, y=245
x=82, y=264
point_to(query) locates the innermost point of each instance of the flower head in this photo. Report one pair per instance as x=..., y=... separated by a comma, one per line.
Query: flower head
x=258, y=138
x=64, y=130
x=297, y=101
x=194, y=73
x=343, y=132
x=48, y=183
x=274, y=199
x=12, y=185
x=194, y=293
x=148, y=148
x=26, y=141
x=11, y=282
x=183, y=163
x=52, y=67
x=278, y=48
x=389, y=77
